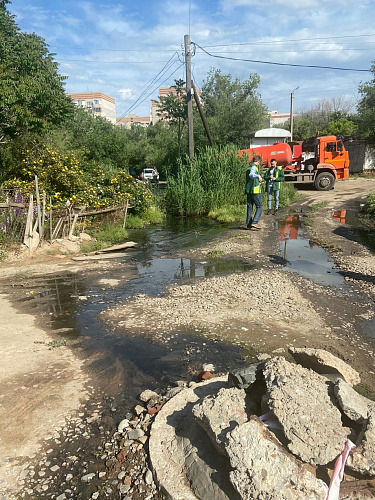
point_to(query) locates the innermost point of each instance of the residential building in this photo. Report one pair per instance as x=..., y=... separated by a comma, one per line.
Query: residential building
x=163, y=92
x=129, y=120
x=275, y=118
x=97, y=103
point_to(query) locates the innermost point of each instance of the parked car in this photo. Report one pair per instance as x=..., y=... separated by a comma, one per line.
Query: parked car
x=150, y=174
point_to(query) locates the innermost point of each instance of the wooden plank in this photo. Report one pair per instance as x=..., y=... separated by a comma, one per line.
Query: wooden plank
x=57, y=227
x=127, y=244
x=29, y=222
x=100, y=256
x=13, y=204
x=75, y=218
x=39, y=214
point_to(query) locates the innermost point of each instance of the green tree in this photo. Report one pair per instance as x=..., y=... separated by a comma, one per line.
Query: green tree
x=366, y=108
x=328, y=117
x=32, y=93
x=173, y=109
x=233, y=108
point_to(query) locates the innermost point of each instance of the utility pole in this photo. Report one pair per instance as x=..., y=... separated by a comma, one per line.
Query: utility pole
x=189, y=100
x=291, y=113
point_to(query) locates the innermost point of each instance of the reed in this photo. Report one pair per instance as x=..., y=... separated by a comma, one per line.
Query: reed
x=214, y=178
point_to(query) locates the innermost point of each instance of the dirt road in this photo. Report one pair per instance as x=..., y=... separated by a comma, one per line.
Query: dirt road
x=264, y=310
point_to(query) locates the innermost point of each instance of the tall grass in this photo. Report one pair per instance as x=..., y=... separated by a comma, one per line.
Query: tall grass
x=214, y=178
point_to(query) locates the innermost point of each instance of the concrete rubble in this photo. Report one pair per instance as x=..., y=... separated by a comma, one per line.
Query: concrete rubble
x=270, y=416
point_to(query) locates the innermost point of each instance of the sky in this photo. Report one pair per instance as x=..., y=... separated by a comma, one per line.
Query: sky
x=129, y=48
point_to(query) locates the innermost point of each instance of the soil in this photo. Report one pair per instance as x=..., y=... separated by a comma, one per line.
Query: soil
x=44, y=385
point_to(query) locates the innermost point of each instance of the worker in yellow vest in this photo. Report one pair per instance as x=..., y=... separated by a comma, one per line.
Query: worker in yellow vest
x=254, y=196
x=273, y=176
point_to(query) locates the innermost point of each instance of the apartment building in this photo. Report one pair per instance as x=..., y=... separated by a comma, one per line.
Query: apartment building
x=129, y=120
x=96, y=103
x=163, y=92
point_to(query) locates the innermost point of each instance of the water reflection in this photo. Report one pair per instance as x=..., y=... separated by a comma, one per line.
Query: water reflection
x=303, y=256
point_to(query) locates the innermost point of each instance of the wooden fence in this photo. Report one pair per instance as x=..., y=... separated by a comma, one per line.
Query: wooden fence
x=29, y=220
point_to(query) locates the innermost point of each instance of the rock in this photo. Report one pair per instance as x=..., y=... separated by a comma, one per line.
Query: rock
x=355, y=406
x=148, y=477
x=208, y=367
x=220, y=414
x=204, y=375
x=154, y=410
x=139, y=409
x=135, y=433
x=88, y=477
x=264, y=470
x=146, y=395
x=300, y=401
x=85, y=237
x=244, y=377
x=362, y=458
x=123, y=425
x=324, y=362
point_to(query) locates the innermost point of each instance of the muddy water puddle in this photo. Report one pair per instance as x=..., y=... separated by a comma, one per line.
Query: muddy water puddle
x=349, y=218
x=304, y=256
x=69, y=305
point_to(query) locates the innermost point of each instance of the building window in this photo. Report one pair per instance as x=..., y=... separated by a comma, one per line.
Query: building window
x=89, y=104
x=97, y=110
x=96, y=101
x=81, y=103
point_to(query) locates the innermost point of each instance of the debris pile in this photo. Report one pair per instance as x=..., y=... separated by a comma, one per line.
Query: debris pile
x=273, y=429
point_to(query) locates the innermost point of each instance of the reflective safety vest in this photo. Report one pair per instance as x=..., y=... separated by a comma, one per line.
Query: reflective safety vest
x=252, y=185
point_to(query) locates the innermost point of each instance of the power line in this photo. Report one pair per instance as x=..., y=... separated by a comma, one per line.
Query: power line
x=280, y=64
x=108, y=62
x=165, y=68
x=289, y=40
x=153, y=90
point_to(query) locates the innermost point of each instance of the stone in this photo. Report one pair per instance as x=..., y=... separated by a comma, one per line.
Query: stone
x=204, y=375
x=139, y=409
x=362, y=458
x=88, y=477
x=301, y=403
x=263, y=469
x=244, y=377
x=146, y=395
x=324, y=362
x=148, y=477
x=123, y=425
x=85, y=237
x=135, y=433
x=219, y=414
x=355, y=406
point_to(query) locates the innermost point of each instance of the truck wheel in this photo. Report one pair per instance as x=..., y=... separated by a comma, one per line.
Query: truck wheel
x=324, y=181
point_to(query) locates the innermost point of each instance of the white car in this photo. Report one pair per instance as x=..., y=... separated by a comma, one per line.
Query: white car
x=149, y=174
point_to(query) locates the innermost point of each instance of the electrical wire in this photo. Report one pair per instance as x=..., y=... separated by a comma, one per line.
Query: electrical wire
x=281, y=64
x=290, y=40
x=152, y=91
x=150, y=82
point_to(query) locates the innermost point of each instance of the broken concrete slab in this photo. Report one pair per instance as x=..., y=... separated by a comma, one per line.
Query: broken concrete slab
x=185, y=463
x=362, y=458
x=300, y=401
x=221, y=413
x=245, y=376
x=353, y=405
x=263, y=469
x=324, y=362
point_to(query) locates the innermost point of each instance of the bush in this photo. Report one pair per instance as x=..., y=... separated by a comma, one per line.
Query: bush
x=369, y=208
x=70, y=177
x=213, y=179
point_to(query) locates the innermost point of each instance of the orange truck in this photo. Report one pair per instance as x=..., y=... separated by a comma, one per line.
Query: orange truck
x=320, y=160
